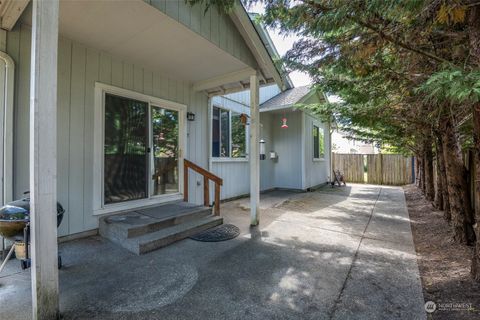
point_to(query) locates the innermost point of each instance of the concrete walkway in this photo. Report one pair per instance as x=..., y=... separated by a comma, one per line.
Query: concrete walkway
x=342, y=253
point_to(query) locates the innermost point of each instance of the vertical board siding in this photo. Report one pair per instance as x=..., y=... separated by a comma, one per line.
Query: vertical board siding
x=389, y=169
x=288, y=145
x=267, y=173
x=3, y=40
x=386, y=169
x=316, y=171
x=79, y=67
x=374, y=169
x=236, y=178
x=350, y=165
x=92, y=74
x=397, y=169
x=22, y=113
x=212, y=25
x=63, y=126
x=76, y=143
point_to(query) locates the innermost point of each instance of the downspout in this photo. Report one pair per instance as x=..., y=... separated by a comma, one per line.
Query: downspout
x=7, y=122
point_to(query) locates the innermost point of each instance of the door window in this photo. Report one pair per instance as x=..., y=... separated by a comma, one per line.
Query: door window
x=125, y=149
x=165, y=142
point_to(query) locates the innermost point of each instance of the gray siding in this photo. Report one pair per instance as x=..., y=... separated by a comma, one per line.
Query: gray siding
x=236, y=174
x=79, y=67
x=243, y=97
x=317, y=172
x=213, y=25
x=236, y=178
x=288, y=145
x=267, y=166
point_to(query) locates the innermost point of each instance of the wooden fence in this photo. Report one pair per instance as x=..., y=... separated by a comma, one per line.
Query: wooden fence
x=350, y=165
x=388, y=169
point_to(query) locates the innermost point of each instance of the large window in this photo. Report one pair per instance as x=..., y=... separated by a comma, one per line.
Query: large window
x=228, y=134
x=318, y=143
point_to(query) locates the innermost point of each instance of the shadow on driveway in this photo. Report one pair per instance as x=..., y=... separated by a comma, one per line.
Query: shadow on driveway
x=330, y=254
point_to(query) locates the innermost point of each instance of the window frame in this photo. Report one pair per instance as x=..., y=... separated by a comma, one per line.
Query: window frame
x=98, y=203
x=229, y=158
x=321, y=156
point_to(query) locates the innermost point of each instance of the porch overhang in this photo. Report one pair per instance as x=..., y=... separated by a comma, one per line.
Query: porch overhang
x=239, y=81
x=137, y=32
x=10, y=12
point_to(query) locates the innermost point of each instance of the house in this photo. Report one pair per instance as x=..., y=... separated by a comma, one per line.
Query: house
x=104, y=102
x=342, y=144
x=297, y=157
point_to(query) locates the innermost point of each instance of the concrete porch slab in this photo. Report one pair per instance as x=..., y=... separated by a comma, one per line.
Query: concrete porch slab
x=318, y=255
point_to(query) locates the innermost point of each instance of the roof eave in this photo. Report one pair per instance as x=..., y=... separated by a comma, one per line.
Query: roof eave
x=248, y=31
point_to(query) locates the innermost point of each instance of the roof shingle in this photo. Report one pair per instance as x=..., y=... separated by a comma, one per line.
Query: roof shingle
x=286, y=98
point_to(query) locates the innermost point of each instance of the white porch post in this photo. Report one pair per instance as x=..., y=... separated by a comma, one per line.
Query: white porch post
x=43, y=159
x=254, y=156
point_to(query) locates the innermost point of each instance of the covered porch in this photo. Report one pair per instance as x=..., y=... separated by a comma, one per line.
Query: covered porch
x=71, y=59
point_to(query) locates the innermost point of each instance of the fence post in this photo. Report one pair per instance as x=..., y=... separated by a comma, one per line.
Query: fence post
x=381, y=168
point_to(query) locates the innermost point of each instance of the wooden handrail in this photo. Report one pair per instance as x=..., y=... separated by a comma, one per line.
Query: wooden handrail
x=207, y=176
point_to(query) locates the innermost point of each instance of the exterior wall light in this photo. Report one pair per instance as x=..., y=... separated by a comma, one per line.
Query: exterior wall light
x=262, y=149
x=190, y=116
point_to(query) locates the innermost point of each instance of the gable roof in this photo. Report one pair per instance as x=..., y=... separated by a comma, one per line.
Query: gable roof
x=272, y=50
x=260, y=46
x=286, y=99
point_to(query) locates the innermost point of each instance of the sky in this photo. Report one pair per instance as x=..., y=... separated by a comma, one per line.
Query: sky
x=283, y=44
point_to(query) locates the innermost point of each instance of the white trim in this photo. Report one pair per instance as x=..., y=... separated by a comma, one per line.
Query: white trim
x=7, y=132
x=254, y=156
x=210, y=132
x=304, y=151
x=210, y=120
x=320, y=126
x=231, y=77
x=246, y=28
x=99, y=137
x=138, y=204
x=228, y=159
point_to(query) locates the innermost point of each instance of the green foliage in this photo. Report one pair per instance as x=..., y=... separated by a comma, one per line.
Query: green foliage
x=453, y=85
x=399, y=67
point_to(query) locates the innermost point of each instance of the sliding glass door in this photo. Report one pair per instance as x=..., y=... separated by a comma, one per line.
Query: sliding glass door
x=165, y=149
x=141, y=150
x=125, y=149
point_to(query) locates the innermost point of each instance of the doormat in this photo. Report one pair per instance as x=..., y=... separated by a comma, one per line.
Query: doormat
x=219, y=233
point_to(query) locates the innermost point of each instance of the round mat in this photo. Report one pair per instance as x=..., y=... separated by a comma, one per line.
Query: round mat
x=219, y=233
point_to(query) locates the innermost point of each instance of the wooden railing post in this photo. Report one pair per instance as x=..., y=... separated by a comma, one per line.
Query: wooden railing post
x=185, y=182
x=206, y=191
x=217, y=199
x=207, y=176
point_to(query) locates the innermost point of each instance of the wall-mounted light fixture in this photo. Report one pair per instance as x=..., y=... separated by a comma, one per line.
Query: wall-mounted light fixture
x=262, y=149
x=190, y=116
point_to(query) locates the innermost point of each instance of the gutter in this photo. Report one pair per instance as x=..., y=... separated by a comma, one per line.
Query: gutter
x=7, y=123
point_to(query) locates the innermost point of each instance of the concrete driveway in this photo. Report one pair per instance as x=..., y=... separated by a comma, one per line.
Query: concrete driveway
x=342, y=253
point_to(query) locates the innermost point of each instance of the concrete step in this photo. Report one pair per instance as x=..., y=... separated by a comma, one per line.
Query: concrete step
x=158, y=239
x=147, y=229
x=136, y=223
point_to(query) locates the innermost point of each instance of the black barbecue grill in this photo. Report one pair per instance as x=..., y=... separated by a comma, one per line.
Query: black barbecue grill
x=15, y=226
